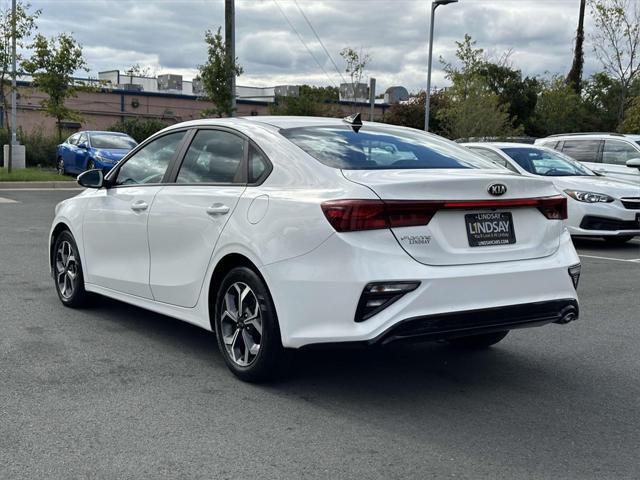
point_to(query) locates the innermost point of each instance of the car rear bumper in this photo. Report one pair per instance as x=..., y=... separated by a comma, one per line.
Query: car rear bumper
x=316, y=295
x=476, y=322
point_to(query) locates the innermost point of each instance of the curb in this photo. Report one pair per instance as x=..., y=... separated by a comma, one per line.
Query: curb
x=69, y=185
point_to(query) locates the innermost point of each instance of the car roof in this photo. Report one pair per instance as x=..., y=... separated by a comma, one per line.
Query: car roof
x=592, y=135
x=275, y=122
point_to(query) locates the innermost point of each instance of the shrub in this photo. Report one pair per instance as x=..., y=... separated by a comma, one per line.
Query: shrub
x=137, y=128
x=40, y=147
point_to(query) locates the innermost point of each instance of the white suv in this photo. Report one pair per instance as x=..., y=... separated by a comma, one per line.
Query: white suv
x=612, y=154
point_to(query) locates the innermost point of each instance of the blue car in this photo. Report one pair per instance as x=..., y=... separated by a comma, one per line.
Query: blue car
x=92, y=149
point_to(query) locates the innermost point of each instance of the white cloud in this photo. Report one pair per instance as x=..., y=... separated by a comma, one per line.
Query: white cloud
x=168, y=35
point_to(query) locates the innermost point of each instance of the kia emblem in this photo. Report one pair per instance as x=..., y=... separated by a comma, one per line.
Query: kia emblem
x=497, y=189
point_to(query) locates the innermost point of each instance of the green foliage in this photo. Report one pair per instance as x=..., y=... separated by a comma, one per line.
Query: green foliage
x=312, y=101
x=631, y=123
x=478, y=104
x=52, y=65
x=411, y=113
x=476, y=112
x=600, y=97
x=138, y=128
x=216, y=73
x=559, y=109
x=40, y=147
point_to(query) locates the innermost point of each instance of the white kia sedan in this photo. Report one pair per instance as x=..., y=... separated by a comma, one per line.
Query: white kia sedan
x=280, y=233
x=598, y=206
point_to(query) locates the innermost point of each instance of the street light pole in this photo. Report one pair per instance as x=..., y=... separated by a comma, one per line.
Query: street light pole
x=434, y=5
x=12, y=140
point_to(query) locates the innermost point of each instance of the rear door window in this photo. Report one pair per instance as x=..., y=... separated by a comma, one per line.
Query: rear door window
x=618, y=152
x=214, y=156
x=582, y=150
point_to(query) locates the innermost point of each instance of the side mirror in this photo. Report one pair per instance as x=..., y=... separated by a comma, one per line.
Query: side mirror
x=91, y=179
x=83, y=145
x=634, y=163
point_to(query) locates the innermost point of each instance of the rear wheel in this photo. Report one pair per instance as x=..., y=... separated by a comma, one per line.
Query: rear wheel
x=67, y=271
x=478, y=341
x=618, y=240
x=246, y=327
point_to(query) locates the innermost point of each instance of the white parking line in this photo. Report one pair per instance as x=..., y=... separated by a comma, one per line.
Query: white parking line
x=7, y=200
x=632, y=260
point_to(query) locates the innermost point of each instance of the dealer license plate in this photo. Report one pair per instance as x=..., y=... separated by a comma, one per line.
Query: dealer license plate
x=491, y=228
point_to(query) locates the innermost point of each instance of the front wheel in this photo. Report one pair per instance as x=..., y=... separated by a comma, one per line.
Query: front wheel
x=618, y=240
x=60, y=166
x=91, y=165
x=246, y=327
x=478, y=341
x=67, y=271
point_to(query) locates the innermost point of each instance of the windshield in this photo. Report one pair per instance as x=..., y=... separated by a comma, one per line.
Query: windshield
x=375, y=148
x=546, y=162
x=116, y=142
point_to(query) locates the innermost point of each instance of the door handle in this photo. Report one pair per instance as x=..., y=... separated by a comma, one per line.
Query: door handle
x=217, y=209
x=139, y=206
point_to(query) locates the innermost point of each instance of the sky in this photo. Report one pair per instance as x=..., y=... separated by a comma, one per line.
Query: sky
x=168, y=36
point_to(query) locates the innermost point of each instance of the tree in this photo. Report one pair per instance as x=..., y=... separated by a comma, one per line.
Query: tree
x=411, y=112
x=356, y=62
x=311, y=101
x=631, y=123
x=574, y=78
x=600, y=96
x=215, y=75
x=24, y=26
x=52, y=65
x=137, y=70
x=616, y=41
x=476, y=113
x=559, y=109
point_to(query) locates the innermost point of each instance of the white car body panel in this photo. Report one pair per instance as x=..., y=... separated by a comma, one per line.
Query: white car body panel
x=163, y=258
x=618, y=189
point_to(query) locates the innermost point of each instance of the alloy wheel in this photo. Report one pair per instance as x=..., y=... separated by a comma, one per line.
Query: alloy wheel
x=66, y=269
x=60, y=167
x=241, y=324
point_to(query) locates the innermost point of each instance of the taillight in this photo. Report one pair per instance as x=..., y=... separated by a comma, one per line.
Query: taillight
x=554, y=208
x=355, y=215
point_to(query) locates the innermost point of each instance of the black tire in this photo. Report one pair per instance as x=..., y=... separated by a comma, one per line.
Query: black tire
x=478, y=341
x=618, y=240
x=67, y=272
x=265, y=363
x=60, y=166
x=91, y=165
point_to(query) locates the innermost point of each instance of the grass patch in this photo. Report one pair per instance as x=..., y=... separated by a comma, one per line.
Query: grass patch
x=33, y=175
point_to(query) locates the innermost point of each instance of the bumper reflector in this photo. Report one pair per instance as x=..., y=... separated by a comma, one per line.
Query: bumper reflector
x=574, y=273
x=379, y=295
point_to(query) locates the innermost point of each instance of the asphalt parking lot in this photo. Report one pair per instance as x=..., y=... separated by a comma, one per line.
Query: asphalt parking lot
x=117, y=392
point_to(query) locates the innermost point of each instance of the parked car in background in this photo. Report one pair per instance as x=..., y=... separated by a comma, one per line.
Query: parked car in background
x=92, y=149
x=612, y=154
x=598, y=205
x=286, y=232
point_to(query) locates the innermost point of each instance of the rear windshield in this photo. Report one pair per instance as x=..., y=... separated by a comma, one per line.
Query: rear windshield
x=376, y=148
x=116, y=142
x=546, y=162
